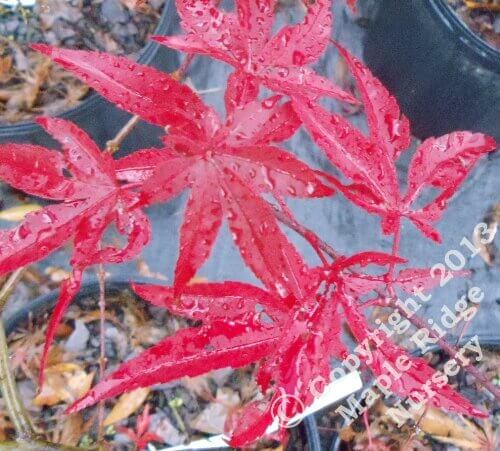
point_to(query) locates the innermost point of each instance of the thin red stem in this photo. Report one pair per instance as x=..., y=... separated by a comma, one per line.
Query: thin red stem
x=310, y=236
x=102, y=344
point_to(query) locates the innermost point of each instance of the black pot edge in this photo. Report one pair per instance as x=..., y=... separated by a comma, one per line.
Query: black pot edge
x=90, y=285
x=146, y=56
x=114, y=285
x=490, y=341
x=457, y=27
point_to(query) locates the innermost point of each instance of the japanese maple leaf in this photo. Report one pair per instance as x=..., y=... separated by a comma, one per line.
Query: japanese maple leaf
x=226, y=166
x=243, y=40
x=141, y=436
x=226, y=176
x=369, y=162
x=241, y=324
x=239, y=327
x=88, y=201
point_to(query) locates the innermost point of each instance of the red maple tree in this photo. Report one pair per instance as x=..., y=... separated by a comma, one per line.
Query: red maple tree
x=236, y=171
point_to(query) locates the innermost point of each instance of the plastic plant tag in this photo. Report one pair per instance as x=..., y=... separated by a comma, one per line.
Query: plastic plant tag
x=334, y=392
x=14, y=3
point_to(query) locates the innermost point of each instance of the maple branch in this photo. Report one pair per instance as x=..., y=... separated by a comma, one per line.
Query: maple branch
x=113, y=145
x=102, y=345
x=9, y=285
x=306, y=233
x=13, y=403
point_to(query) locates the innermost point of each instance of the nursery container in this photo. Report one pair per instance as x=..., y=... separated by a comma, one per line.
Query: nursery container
x=444, y=75
x=45, y=303
x=491, y=343
x=98, y=117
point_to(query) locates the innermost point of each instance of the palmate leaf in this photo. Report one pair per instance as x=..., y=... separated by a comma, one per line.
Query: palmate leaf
x=291, y=339
x=90, y=200
x=243, y=40
x=226, y=166
x=369, y=162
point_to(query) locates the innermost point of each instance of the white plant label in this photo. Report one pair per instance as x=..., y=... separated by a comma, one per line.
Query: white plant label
x=334, y=392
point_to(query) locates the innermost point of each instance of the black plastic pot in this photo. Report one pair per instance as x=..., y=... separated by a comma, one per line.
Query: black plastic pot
x=45, y=303
x=100, y=118
x=444, y=76
x=486, y=342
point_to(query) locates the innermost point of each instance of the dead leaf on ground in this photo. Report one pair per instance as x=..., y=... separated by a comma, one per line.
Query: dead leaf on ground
x=135, y=5
x=198, y=385
x=5, y=426
x=488, y=251
x=450, y=430
x=5, y=68
x=197, y=279
x=162, y=426
x=19, y=212
x=72, y=431
x=212, y=419
x=64, y=382
x=56, y=274
x=145, y=271
x=128, y=404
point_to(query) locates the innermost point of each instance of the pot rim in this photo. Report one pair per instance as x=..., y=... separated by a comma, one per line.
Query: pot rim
x=146, y=55
x=461, y=31
x=43, y=303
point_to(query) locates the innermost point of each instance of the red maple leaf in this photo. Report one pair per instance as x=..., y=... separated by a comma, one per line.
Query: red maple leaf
x=226, y=166
x=243, y=40
x=369, y=162
x=243, y=324
x=90, y=200
x=231, y=168
x=141, y=436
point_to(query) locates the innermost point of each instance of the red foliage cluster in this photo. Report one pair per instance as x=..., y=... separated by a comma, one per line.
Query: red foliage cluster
x=292, y=327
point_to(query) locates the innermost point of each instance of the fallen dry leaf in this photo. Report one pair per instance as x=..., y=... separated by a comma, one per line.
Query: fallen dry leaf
x=441, y=426
x=64, y=382
x=5, y=67
x=488, y=251
x=135, y=5
x=56, y=274
x=198, y=385
x=73, y=430
x=197, y=279
x=145, y=271
x=19, y=212
x=212, y=419
x=128, y=404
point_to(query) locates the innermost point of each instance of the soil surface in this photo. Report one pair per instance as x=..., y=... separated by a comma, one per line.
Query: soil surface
x=29, y=84
x=482, y=17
